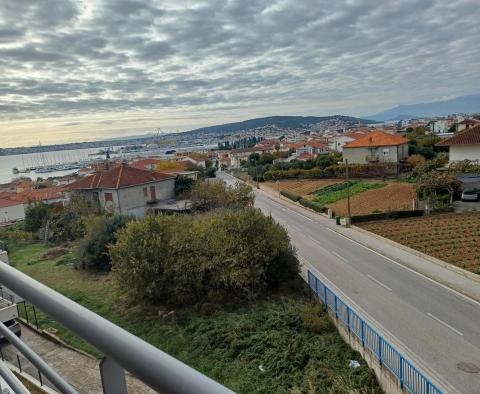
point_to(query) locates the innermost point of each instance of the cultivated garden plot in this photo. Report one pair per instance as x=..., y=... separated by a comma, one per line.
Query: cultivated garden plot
x=454, y=238
x=392, y=197
x=302, y=187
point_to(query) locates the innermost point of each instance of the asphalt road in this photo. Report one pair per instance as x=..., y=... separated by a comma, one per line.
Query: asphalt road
x=437, y=328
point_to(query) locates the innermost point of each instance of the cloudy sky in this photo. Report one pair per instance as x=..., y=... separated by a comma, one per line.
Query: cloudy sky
x=76, y=70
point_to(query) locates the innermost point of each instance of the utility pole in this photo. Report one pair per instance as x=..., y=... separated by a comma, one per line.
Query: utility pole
x=349, y=213
x=256, y=171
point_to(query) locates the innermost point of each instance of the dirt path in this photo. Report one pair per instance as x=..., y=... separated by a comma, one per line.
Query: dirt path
x=79, y=370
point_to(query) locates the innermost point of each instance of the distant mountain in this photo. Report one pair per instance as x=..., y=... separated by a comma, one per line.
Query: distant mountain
x=467, y=104
x=279, y=121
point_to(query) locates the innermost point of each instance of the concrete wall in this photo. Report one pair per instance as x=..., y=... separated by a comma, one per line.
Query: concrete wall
x=384, y=153
x=462, y=152
x=12, y=213
x=4, y=256
x=387, y=380
x=132, y=200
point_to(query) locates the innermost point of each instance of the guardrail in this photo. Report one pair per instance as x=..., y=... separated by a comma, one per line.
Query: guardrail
x=407, y=374
x=121, y=349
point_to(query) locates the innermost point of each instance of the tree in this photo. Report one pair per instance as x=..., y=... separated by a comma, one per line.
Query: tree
x=430, y=184
x=206, y=196
x=36, y=216
x=93, y=252
x=183, y=185
x=414, y=160
x=221, y=255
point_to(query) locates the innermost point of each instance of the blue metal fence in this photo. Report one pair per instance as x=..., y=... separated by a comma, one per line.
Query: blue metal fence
x=407, y=374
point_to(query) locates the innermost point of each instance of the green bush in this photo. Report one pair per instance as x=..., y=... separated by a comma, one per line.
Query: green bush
x=93, y=252
x=65, y=224
x=290, y=195
x=219, y=255
x=183, y=185
x=206, y=196
x=36, y=215
x=312, y=205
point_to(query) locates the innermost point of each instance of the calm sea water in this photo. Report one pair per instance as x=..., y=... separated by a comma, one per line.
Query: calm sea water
x=57, y=157
x=37, y=159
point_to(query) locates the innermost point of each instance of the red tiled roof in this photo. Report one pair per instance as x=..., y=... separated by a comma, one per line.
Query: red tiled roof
x=467, y=137
x=376, y=138
x=5, y=202
x=143, y=163
x=122, y=176
x=470, y=122
x=49, y=193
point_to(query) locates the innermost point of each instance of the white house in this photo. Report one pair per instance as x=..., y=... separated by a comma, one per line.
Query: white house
x=11, y=210
x=312, y=147
x=126, y=190
x=439, y=126
x=464, y=145
x=376, y=146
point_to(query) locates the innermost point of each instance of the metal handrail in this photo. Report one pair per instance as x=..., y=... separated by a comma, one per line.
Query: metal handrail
x=37, y=361
x=12, y=380
x=155, y=368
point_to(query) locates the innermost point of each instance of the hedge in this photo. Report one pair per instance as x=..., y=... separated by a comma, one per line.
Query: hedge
x=291, y=195
x=387, y=215
x=313, y=205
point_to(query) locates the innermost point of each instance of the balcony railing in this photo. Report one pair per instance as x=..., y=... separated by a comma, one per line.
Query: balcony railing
x=121, y=349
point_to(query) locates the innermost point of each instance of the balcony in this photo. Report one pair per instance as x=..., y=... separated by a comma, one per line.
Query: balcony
x=122, y=351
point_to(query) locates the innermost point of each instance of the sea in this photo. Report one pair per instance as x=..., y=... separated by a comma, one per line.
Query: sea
x=7, y=163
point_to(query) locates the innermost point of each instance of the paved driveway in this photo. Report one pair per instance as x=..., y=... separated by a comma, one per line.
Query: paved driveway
x=461, y=206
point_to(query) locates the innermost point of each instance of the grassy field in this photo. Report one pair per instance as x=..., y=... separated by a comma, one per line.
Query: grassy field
x=454, y=238
x=283, y=343
x=392, y=197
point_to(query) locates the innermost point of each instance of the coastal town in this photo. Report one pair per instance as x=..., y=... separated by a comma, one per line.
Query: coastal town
x=374, y=144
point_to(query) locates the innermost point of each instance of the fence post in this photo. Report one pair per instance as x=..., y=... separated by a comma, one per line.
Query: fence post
x=336, y=310
x=401, y=371
x=363, y=333
x=427, y=387
x=325, y=299
x=348, y=318
x=35, y=316
x=113, y=377
x=316, y=286
x=26, y=312
x=380, y=349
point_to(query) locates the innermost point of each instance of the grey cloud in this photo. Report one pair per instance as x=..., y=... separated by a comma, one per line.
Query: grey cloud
x=73, y=57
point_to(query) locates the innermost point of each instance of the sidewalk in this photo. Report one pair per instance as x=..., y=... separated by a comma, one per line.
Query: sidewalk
x=451, y=276
x=81, y=371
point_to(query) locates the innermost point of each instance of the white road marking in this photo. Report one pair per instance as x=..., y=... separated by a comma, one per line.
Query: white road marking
x=379, y=283
x=463, y=296
x=340, y=257
x=445, y=324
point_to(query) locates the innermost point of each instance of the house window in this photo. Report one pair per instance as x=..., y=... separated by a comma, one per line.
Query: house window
x=108, y=197
x=386, y=152
x=145, y=192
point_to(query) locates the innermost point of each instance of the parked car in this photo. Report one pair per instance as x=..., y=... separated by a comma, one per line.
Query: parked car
x=470, y=195
x=14, y=327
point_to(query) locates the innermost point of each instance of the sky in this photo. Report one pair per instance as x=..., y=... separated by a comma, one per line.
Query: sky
x=93, y=69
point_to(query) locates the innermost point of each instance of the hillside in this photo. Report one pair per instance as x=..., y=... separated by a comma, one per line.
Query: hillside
x=287, y=122
x=462, y=104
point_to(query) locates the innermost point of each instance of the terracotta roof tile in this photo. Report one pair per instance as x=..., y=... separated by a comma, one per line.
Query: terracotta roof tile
x=377, y=138
x=469, y=136
x=118, y=177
